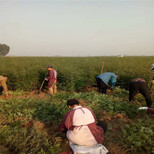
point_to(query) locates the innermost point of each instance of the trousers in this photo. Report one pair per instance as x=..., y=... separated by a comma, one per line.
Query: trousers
x=140, y=87
x=53, y=89
x=1, y=90
x=102, y=87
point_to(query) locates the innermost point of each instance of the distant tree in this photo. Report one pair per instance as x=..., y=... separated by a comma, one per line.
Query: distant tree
x=4, y=49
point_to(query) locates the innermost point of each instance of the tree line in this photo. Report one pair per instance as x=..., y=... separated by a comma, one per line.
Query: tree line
x=4, y=49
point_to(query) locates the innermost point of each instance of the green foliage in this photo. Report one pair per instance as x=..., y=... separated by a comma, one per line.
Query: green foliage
x=17, y=92
x=26, y=140
x=4, y=49
x=139, y=136
x=15, y=114
x=50, y=111
x=17, y=107
x=27, y=73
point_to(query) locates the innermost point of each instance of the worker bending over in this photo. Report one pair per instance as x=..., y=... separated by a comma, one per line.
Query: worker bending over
x=104, y=80
x=139, y=85
x=3, y=86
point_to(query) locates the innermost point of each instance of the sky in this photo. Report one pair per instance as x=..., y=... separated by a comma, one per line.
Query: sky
x=77, y=27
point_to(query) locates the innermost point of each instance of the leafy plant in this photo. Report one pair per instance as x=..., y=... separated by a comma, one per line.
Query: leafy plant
x=139, y=136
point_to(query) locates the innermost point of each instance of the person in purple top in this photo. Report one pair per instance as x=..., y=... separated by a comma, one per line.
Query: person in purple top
x=52, y=80
x=104, y=80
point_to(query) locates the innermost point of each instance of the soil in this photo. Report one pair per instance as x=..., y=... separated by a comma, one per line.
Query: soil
x=32, y=94
x=4, y=150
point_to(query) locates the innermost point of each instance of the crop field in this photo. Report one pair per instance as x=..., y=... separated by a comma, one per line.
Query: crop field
x=29, y=122
x=27, y=73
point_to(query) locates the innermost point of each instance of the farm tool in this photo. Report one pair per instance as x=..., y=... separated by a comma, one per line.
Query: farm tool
x=41, y=85
x=102, y=67
x=151, y=84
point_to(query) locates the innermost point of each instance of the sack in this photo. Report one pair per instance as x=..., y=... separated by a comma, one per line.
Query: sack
x=95, y=149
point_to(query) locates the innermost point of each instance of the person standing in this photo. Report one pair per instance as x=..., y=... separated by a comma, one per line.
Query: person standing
x=104, y=80
x=52, y=80
x=80, y=125
x=3, y=86
x=139, y=85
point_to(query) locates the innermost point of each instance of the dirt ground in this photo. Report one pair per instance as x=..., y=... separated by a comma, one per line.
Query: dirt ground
x=43, y=94
x=32, y=94
x=4, y=150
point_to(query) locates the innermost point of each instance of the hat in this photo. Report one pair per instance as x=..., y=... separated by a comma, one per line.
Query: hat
x=49, y=66
x=152, y=67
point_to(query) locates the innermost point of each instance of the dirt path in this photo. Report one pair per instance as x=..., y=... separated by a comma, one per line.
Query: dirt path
x=32, y=94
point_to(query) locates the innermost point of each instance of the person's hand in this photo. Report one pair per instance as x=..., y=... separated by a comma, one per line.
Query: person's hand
x=142, y=108
x=46, y=79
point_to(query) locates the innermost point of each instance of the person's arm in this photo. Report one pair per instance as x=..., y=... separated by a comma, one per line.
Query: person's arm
x=113, y=81
x=113, y=85
x=5, y=88
x=67, y=122
x=62, y=126
x=48, y=77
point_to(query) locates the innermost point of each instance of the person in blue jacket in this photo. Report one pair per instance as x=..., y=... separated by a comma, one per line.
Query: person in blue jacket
x=104, y=80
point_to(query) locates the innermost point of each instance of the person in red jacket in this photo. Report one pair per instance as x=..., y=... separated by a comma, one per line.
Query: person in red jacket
x=52, y=80
x=80, y=125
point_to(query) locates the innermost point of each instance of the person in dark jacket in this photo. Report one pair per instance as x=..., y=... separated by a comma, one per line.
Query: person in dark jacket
x=103, y=81
x=52, y=80
x=139, y=85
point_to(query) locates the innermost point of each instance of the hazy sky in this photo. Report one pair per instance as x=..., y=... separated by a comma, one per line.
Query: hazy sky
x=77, y=27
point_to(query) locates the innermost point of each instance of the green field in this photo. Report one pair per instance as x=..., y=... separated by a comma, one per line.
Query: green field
x=29, y=122
x=27, y=73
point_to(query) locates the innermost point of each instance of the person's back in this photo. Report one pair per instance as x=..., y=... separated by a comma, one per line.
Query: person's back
x=52, y=75
x=139, y=85
x=107, y=77
x=138, y=80
x=81, y=134
x=80, y=126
